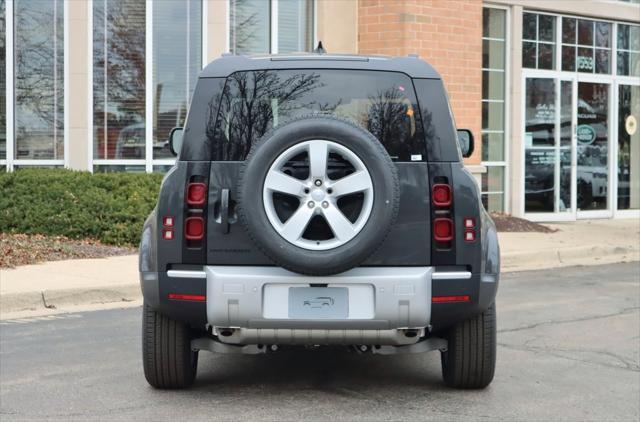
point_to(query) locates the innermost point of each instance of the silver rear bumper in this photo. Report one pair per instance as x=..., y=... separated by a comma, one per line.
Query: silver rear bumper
x=249, y=305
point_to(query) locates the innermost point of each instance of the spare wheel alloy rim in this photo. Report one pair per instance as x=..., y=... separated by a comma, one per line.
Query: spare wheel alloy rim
x=318, y=195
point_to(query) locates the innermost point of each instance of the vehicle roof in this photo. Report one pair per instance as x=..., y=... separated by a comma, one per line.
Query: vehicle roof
x=230, y=63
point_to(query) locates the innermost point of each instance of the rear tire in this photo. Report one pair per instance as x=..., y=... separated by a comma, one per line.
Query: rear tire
x=470, y=359
x=167, y=357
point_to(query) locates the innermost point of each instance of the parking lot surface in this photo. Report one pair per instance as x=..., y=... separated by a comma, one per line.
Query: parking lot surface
x=569, y=349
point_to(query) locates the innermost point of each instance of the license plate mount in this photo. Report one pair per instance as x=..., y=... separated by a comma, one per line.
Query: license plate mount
x=318, y=302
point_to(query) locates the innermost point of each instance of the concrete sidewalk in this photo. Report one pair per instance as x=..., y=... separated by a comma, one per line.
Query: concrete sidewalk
x=61, y=285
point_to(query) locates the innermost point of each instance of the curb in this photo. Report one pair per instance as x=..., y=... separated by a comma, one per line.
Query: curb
x=511, y=262
x=54, y=299
x=565, y=257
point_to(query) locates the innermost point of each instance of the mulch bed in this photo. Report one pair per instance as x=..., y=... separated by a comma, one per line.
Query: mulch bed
x=23, y=249
x=509, y=223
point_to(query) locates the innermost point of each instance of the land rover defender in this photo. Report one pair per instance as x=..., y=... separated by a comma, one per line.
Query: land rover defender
x=319, y=200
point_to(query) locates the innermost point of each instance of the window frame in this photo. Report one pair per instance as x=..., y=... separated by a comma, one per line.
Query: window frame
x=615, y=50
x=506, y=103
x=273, y=25
x=593, y=47
x=10, y=162
x=148, y=162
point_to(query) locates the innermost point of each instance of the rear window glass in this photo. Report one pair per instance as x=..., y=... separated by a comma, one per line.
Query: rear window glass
x=253, y=102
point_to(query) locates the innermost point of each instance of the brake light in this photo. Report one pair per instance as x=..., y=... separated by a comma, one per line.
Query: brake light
x=443, y=229
x=194, y=228
x=196, y=193
x=167, y=234
x=450, y=299
x=167, y=221
x=441, y=195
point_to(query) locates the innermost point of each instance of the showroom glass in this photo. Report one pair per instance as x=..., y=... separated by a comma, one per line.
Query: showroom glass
x=250, y=26
x=39, y=79
x=586, y=46
x=493, y=107
x=128, y=168
x=3, y=86
x=252, y=103
x=628, y=56
x=628, y=147
x=539, y=139
x=538, y=41
x=118, y=79
x=592, y=146
x=177, y=60
x=295, y=25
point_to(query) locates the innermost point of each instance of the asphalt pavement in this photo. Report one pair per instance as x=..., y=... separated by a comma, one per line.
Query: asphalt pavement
x=569, y=349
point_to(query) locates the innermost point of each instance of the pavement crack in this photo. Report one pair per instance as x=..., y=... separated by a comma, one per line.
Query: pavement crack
x=565, y=321
x=558, y=352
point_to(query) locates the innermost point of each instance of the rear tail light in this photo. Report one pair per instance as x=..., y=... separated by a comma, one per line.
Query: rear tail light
x=167, y=229
x=443, y=230
x=469, y=229
x=194, y=228
x=441, y=195
x=196, y=193
x=469, y=235
x=192, y=298
x=450, y=299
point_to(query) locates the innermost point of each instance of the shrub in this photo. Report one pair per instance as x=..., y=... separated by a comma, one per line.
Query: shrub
x=109, y=207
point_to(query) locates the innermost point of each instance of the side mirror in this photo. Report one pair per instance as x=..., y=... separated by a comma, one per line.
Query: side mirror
x=465, y=140
x=175, y=140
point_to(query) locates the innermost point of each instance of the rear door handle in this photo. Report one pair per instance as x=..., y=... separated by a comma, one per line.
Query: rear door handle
x=224, y=210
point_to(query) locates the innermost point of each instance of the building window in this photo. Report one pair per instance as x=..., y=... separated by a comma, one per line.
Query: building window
x=118, y=79
x=121, y=96
x=586, y=46
x=295, y=25
x=628, y=147
x=177, y=60
x=253, y=28
x=538, y=41
x=628, y=50
x=3, y=85
x=38, y=80
x=493, y=107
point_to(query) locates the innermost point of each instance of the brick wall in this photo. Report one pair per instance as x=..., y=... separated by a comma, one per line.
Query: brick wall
x=446, y=33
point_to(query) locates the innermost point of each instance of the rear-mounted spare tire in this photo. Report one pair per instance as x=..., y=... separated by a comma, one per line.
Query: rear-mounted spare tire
x=318, y=195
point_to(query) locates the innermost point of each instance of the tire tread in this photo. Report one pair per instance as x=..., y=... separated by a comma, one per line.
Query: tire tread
x=166, y=351
x=470, y=359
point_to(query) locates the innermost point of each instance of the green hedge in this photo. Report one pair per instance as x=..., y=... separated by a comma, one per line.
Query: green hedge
x=109, y=207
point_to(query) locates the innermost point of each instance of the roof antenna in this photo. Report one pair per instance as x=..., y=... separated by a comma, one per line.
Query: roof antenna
x=320, y=49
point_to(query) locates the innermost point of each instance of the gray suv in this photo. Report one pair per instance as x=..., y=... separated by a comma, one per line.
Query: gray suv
x=319, y=200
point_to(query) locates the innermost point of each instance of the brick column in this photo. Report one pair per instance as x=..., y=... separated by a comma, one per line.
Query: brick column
x=446, y=33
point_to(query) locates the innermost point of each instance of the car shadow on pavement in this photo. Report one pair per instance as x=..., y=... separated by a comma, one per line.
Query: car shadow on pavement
x=322, y=368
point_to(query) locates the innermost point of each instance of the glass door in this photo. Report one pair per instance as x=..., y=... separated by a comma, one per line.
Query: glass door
x=593, y=150
x=628, y=149
x=549, y=153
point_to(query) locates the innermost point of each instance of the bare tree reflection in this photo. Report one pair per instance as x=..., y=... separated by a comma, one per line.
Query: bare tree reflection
x=245, y=27
x=119, y=71
x=39, y=78
x=251, y=103
x=392, y=119
x=247, y=108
